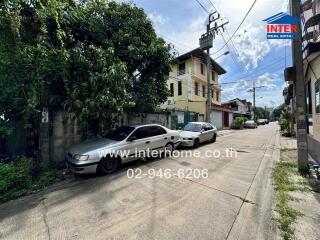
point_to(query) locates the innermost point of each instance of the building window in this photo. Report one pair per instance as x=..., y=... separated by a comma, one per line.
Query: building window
x=212, y=75
x=181, y=68
x=212, y=94
x=317, y=100
x=171, y=89
x=203, y=91
x=196, y=88
x=217, y=95
x=179, y=88
x=202, y=70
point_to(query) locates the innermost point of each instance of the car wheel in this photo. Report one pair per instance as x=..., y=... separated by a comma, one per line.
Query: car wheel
x=214, y=138
x=108, y=165
x=196, y=143
x=168, y=149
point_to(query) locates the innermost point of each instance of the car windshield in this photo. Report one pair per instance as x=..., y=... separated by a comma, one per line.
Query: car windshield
x=249, y=121
x=120, y=133
x=192, y=127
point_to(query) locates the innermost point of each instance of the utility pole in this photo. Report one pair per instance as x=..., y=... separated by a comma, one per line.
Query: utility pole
x=300, y=110
x=208, y=109
x=253, y=90
x=206, y=42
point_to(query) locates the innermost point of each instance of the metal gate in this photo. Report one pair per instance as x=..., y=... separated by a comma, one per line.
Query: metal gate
x=216, y=119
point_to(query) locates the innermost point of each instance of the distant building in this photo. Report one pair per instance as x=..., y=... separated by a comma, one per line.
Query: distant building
x=188, y=90
x=239, y=107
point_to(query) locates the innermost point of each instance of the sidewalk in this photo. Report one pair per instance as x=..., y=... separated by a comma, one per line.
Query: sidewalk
x=306, y=201
x=287, y=143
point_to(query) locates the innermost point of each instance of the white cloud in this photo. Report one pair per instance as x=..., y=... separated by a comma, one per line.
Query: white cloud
x=157, y=19
x=267, y=80
x=251, y=49
x=233, y=88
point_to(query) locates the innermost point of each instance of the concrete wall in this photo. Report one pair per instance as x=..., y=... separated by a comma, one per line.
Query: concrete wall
x=314, y=148
x=65, y=132
x=163, y=119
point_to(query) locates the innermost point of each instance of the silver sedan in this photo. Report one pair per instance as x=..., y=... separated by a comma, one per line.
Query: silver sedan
x=125, y=144
x=195, y=133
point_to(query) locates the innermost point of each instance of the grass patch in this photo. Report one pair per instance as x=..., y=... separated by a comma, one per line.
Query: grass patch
x=283, y=175
x=17, y=178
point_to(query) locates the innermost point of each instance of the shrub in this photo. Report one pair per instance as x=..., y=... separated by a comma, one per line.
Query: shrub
x=284, y=122
x=17, y=178
x=239, y=123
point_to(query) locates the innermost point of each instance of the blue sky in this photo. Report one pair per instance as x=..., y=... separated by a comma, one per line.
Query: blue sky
x=252, y=57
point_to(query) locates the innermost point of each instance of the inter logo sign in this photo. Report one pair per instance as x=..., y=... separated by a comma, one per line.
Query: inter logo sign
x=282, y=26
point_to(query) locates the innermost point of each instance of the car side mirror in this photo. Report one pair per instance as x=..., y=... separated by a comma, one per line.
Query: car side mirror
x=132, y=138
x=179, y=128
x=202, y=130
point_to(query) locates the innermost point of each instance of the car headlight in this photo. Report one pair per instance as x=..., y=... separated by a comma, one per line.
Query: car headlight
x=79, y=157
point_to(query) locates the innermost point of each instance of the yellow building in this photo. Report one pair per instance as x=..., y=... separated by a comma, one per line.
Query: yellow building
x=188, y=87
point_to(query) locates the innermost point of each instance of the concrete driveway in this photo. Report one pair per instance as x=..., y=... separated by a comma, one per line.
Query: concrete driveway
x=234, y=202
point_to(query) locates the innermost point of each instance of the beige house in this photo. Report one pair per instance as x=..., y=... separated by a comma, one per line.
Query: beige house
x=188, y=88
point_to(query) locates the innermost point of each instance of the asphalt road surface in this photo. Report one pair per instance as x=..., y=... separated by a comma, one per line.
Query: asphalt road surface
x=233, y=202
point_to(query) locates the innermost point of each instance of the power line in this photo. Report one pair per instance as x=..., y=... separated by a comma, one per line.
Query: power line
x=238, y=26
x=232, y=56
x=236, y=50
x=201, y=5
x=185, y=47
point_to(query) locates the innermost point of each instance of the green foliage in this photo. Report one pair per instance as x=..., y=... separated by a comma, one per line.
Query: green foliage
x=284, y=122
x=94, y=59
x=239, y=123
x=261, y=113
x=277, y=111
x=17, y=178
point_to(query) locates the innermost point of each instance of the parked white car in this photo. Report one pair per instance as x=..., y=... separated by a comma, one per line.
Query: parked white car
x=195, y=133
x=123, y=145
x=250, y=124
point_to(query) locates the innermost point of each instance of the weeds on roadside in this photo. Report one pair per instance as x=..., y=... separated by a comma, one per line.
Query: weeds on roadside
x=282, y=175
x=16, y=178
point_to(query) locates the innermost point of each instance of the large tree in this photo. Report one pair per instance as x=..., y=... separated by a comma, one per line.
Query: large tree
x=92, y=58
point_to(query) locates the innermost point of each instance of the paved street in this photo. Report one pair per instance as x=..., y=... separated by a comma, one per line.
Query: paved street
x=234, y=202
